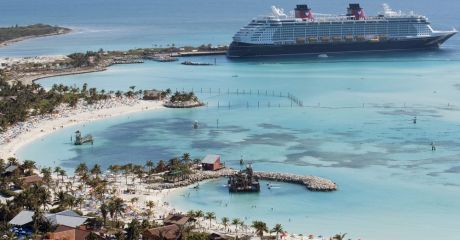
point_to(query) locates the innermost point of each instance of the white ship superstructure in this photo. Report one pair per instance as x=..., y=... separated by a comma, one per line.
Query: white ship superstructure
x=307, y=28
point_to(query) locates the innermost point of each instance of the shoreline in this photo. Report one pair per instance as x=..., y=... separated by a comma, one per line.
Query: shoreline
x=31, y=79
x=20, y=39
x=23, y=133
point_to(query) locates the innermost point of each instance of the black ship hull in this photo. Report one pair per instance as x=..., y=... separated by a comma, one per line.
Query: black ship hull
x=239, y=50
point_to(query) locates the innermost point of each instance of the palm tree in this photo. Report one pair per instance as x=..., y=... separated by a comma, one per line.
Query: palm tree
x=133, y=232
x=29, y=166
x=81, y=169
x=339, y=236
x=210, y=216
x=62, y=199
x=277, y=229
x=96, y=170
x=199, y=214
x=150, y=204
x=13, y=161
x=186, y=157
x=191, y=214
x=79, y=201
x=236, y=223
x=242, y=225
x=116, y=207
x=62, y=174
x=104, y=211
x=114, y=168
x=150, y=165
x=46, y=172
x=37, y=219
x=133, y=200
x=260, y=227
x=57, y=170
x=225, y=221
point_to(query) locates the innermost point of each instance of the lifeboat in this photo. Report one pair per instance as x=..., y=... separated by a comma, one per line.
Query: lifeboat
x=300, y=40
x=336, y=38
x=349, y=38
x=324, y=39
x=312, y=39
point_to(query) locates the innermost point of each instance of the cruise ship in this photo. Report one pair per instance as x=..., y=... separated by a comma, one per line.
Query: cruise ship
x=306, y=32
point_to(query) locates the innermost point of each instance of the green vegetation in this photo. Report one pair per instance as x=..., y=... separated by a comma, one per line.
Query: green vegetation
x=18, y=102
x=183, y=97
x=15, y=32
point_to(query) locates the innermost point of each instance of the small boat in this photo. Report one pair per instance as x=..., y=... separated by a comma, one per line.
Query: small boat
x=323, y=55
x=195, y=124
x=195, y=63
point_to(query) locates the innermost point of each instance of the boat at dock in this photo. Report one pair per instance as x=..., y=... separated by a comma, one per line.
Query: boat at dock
x=244, y=181
x=196, y=63
x=305, y=32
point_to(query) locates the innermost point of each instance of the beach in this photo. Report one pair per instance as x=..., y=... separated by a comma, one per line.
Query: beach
x=37, y=127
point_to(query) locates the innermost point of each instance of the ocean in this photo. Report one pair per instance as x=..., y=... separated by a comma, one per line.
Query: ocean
x=355, y=127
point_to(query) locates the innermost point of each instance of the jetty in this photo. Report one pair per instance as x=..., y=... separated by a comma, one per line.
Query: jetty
x=200, y=53
x=187, y=104
x=127, y=61
x=162, y=58
x=196, y=63
x=312, y=183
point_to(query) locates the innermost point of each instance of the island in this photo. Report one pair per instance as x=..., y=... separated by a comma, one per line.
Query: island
x=17, y=33
x=183, y=100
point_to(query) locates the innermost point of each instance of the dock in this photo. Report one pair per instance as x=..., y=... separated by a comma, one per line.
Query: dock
x=198, y=53
x=312, y=183
x=127, y=61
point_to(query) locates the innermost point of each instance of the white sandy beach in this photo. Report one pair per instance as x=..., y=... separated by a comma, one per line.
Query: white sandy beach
x=36, y=127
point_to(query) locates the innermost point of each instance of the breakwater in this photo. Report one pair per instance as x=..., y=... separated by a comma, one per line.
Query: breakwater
x=187, y=104
x=312, y=183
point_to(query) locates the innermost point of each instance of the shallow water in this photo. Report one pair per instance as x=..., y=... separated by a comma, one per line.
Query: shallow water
x=390, y=182
x=355, y=127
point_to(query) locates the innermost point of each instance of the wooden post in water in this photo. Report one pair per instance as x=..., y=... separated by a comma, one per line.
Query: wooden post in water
x=218, y=104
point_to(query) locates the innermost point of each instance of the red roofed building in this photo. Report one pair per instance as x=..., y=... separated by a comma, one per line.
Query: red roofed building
x=211, y=162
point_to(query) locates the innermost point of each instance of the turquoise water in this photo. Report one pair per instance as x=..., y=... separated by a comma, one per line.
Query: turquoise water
x=390, y=182
x=355, y=127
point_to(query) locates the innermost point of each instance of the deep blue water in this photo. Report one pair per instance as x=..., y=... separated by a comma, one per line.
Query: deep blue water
x=119, y=24
x=356, y=127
